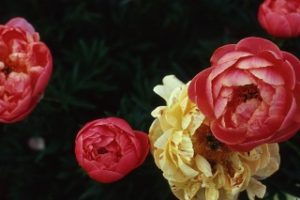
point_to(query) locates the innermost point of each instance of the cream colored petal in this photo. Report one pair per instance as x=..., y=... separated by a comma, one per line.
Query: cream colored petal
x=273, y=165
x=186, y=150
x=184, y=104
x=162, y=141
x=158, y=155
x=172, y=120
x=219, y=177
x=265, y=156
x=158, y=111
x=197, y=120
x=186, y=121
x=256, y=188
x=174, y=98
x=171, y=171
x=185, y=190
x=186, y=170
x=177, y=137
x=227, y=195
x=203, y=165
x=163, y=122
x=154, y=133
x=211, y=193
x=170, y=82
x=192, y=191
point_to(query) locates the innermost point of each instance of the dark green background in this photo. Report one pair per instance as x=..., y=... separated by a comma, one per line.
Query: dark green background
x=108, y=55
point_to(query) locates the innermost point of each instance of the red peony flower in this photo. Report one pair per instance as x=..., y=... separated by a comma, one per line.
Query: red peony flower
x=280, y=18
x=108, y=149
x=25, y=69
x=251, y=94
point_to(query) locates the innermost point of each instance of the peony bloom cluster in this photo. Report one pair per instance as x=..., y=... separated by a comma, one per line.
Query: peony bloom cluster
x=280, y=18
x=25, y=69
x=197, y=165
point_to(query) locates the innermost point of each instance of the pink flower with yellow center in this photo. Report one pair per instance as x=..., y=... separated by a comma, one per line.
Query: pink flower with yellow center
x=197, y=165
x=25, y=69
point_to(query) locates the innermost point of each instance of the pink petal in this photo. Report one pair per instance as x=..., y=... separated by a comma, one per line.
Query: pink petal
x=262, y=137
x=233, y=56
x=236, y=78
x=252, y=63
x=105, y=176
x=78, y=149
x=294, y=22
x=268, y=75
x=287, y=72
x=279, y=102
x=218, y=70
x=263, y=126
x=14, y=35
x=262, y=16
x=145, y=146
x=295, y=63
x=41, y=56
x=220, y=52
x=226, y=135
x=289, y=117
x=266, y=92
x=128, y=162
x=277, y=25
x=248, y=146
x=297, y=97
x=220, y=106
x=245, y=110
x=287, y=133
x=114, y=122
x=21, y=110
x=199, y=93
x=21, y=23
x=255, y=45
x=219, y=89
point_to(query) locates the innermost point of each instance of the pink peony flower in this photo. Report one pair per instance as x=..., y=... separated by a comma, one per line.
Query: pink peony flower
x=251, y=94
x=280, y=18
x=108, y=149
x=25, y=69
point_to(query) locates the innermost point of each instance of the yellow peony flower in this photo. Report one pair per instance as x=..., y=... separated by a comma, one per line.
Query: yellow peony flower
x=196, y=165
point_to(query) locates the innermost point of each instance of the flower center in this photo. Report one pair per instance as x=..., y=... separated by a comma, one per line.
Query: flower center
x=215, y=152
x=247, y=92
x=102, y=150
x=208, y=146
x=15, y=65
x=244, y=93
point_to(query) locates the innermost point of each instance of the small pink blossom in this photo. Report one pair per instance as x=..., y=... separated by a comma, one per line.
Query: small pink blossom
x=108, y=149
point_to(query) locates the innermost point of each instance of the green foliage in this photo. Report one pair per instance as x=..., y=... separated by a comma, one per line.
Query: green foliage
x=108, y=55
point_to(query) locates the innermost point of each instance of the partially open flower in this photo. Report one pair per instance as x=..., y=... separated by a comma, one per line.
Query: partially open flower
x=280, y=18
x=25, y=69
x=108, y=149
x=196, y=165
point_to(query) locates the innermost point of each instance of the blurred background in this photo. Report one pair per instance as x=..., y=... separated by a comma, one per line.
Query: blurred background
x=108, y=55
